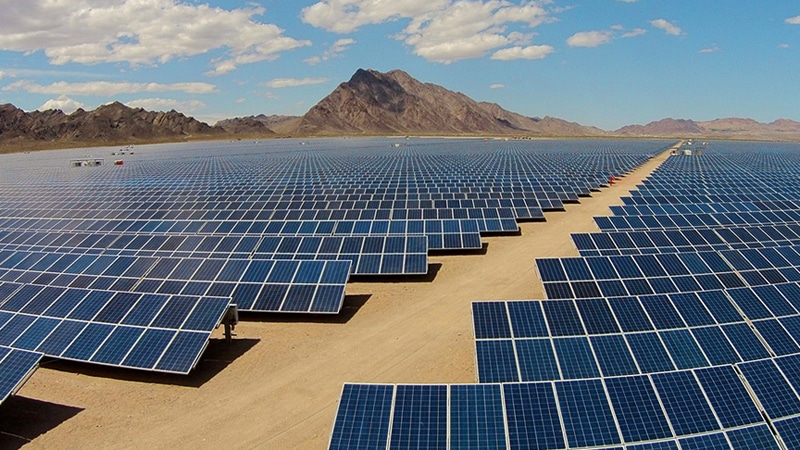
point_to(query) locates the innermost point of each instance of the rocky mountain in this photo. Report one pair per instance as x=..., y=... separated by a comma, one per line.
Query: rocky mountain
x=727, y=128
x=260, y=124
x=108, y=124
x=372, y=102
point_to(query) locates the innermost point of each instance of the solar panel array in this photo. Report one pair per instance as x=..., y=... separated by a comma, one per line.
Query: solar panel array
x=133, y=266
x=678, y=327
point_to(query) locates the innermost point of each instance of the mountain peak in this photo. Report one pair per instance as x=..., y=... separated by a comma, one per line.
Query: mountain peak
x=372, y=102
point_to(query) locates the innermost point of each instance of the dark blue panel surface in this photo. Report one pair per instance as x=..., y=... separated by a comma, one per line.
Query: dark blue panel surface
x=532, y=416
x=537, y=361
x=476, y=417
x=684, y=403
x=491, y=320
x=496, y=361
x=637, y=409
x=363, y=417
x=420, y=417
x=586, y=414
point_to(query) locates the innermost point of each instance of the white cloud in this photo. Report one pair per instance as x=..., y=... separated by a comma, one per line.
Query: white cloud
x=784, y=45
x=107, y=88
x=668, y=27
x=497, y=86
x=166, y=104
x=529, y=52
x=140, y=32
x=294, y=82
x=335, y=50
x=438, y=30
x=634, y=32
x=345, y=16
x=589, y=38
x=711, y=49
x=64, y=103
x=793, y=20
x=628, y=1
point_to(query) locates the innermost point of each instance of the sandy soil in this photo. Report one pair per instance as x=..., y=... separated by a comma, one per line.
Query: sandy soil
x=277, y=385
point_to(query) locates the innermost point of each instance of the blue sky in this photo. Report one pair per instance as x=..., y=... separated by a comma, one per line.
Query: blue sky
x=606, y=63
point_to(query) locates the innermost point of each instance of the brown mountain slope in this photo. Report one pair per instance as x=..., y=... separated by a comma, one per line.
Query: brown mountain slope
x=108, y=124
x=372, y=102
x=726, y=128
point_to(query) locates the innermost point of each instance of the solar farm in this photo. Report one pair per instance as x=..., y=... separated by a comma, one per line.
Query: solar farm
x=403, y=293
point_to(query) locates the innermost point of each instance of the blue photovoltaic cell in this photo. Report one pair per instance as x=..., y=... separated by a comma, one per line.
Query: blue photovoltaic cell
x=532, y=416
x=745, y=341
x=662, y=312
x=790, y=366
x=714, y=441
x=476, y=417
x=575, y=358
x=684, y=403
x=491, y=320
x=420, y=417
x=362, y=421
x=586, y=413
x=661, y=445
x=597, y=316
x=758, y=437
x=715, y=346
x=527, y=319
x=684, y=350
x=613, y=356
x=771, y=388
x=183, y=352
x=720, y=307
x=15, y=368
x=649, y=353
x=562, y=317
x=550, y=269
x=496, y=361
x=630, y=314
x=637, y=409
x=537, y=361
x=692, y=309
x=779, y=341
x=789, y=430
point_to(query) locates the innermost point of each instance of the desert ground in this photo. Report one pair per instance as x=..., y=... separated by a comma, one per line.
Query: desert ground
x=277, y=385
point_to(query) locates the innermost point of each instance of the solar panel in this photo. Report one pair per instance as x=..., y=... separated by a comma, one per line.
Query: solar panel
x=363, y=417
x=16, y=366
x=419, y=417
x=158, y=332
x=588, y=421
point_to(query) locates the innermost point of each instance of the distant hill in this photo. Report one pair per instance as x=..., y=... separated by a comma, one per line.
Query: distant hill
x=254, y=124
x=728, y=128
x=108, y=124
x=372, y=102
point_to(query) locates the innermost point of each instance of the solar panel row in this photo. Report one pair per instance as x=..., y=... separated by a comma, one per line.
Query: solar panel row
x=686, y=241
x=687, y=408
x=614, y=276
x=454, y=234
x=166, y=333
x=255, y=285
x=370, y=255
x=587, y=338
